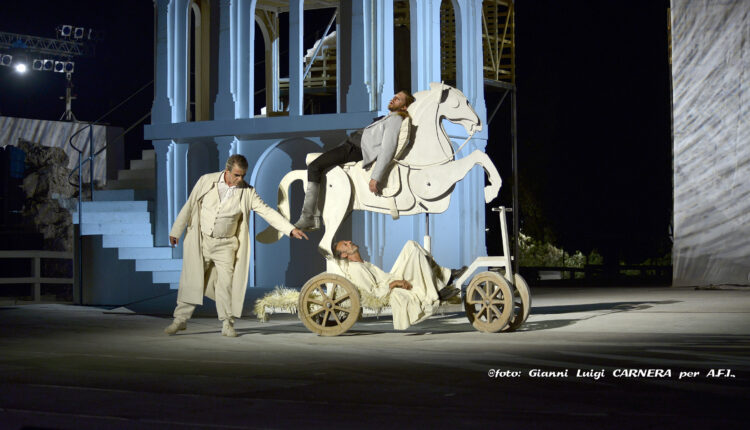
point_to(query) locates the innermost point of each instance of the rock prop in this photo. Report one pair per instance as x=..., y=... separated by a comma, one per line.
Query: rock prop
x=45, y=183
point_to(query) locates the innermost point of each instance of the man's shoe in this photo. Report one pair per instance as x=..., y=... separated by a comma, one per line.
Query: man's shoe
x=228, y=329
x=176, y=326
x=455, y=274
x=448, y=293
x=308, y=222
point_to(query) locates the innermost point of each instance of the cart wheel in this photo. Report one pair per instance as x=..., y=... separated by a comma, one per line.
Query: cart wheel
x=489, y=302
x=328, y=304
x=521, y=304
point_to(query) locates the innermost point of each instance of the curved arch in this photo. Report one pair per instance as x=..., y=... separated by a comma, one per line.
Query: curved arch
x=285, y=262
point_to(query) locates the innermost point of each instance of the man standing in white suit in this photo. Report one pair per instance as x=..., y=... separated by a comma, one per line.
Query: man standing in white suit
x=216, y=251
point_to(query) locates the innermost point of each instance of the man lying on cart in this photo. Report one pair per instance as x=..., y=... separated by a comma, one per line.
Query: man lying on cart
x=416, y=283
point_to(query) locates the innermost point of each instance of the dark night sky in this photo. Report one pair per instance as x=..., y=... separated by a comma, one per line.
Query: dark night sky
x=593, y=109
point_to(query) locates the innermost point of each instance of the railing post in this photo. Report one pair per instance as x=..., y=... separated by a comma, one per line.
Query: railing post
x=37, y=274
x=91, y=160
x=80, y=236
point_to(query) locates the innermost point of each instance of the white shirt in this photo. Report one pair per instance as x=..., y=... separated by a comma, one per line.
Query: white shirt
x=225, y=190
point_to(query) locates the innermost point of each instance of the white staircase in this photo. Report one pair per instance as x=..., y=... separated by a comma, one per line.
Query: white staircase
x=140, y=176
x=125, y=223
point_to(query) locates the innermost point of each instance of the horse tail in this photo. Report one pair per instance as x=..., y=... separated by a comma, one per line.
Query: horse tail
x=270, y=234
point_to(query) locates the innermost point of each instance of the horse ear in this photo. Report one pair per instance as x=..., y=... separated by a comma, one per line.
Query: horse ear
x=444, y=95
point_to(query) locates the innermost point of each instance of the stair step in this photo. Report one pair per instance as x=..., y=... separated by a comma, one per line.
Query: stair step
x=136, y=174
x=125, y=194
x=136, y=184
x=158, y=265
x=159, y=253
x=112, y=217
x=148, y=154
x=116, y=206
x=114, y=195
x=127, y=240
x=169, y=277
x=142, y=164
x=88, y=229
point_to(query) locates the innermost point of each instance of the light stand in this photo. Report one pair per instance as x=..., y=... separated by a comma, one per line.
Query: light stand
x=69, y=97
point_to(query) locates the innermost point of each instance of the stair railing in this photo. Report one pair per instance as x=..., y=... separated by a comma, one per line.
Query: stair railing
x=90, y=160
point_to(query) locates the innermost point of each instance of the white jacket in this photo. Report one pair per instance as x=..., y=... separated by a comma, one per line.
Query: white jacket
x=379, y=142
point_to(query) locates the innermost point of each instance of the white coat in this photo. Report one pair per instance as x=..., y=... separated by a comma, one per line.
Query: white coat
x=414, y=264
x=194, y=284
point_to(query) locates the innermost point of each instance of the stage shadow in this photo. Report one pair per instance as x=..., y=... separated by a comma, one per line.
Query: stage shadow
x=590, y=307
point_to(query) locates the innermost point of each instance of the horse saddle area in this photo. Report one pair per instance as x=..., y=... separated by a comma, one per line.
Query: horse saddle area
x=391, y=197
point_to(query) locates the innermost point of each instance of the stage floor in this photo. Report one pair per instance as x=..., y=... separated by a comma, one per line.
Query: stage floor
x=593, y=357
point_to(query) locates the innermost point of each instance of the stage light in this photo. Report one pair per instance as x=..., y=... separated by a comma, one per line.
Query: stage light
x=59, y=66
x=69, y=66
x=78, y=33
x=21, y=63
x=65, y=30
x=6, y=60
x=37, y=64
x=48, y=65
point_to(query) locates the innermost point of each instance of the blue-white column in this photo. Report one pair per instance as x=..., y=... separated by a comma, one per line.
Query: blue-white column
x=470, y=80
x=161, y=113
x=383, y=53
x=469, y=56
x=245, y=48
x=224, y=107
x=296, y=27
x=179, y=170
x=224, y=104
x=425, y=67
x=425, y=43
x=180, y=69
x=161, y=205
x=359, y=95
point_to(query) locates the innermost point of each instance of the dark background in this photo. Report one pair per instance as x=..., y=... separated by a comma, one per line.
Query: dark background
x=593, y=111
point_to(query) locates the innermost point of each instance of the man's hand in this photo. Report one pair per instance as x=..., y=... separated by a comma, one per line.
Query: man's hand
x=173, y=241
x=374, y=187
x=400, y=284
x=298, y=234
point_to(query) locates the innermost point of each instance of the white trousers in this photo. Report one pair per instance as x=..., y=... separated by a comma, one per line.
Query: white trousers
x=416, y=265
x=219, y=254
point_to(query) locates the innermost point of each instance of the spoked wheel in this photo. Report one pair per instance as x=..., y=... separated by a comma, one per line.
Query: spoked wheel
x=521, y=303
x=328, y=304
x=489, y=302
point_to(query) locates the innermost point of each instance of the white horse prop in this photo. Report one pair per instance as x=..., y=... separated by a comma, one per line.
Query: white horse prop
x=422, y=176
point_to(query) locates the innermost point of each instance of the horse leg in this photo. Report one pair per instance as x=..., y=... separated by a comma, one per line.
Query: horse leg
x=338, y=196
x=433, y=182
x=270, y=234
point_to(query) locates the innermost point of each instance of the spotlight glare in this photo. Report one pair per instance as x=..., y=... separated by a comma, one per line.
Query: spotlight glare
x=21, y=68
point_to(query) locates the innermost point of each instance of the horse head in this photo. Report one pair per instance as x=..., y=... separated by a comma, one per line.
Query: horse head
x=455, y=107
x=431, y=143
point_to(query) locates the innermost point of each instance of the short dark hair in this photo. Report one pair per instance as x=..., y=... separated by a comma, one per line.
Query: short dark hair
x=336, y=253
x=409, y=97
x=237, y=160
